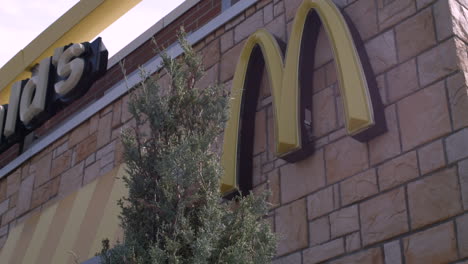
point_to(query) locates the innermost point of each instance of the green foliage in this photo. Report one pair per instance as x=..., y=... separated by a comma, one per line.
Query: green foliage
x=174, y=212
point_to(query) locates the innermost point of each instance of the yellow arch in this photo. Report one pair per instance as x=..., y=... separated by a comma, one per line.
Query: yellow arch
x=284, y=80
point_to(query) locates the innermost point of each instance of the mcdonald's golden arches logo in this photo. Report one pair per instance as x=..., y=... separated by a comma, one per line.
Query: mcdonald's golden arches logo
x=361, y=105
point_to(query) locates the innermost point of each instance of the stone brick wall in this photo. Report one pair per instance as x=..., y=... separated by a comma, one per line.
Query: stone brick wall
x=399, y=198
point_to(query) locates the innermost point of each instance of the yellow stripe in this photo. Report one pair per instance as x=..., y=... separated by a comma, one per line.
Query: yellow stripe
x=61, y=217
x=72, y=228
x=25, y=239
x=109, y=226
x=40, y=233
x=10, y=245
x=94, y=214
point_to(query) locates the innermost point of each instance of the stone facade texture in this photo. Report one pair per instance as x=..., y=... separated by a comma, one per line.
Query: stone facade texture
x=401, y=197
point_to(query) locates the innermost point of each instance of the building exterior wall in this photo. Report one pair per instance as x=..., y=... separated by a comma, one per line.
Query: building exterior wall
x=401, y=197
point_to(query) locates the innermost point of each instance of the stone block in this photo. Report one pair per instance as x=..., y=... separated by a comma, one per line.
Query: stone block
x=257, y=176
x=462, y=234
x=463, y=174
x=126, y=115
x=78, y=134
x=382, y=87
x=337, y=134
x=260, y=134
x=359, y=187
x=107, y=159
x=43, y=167
x=291, y=259
x=386, y=145
x=3, y=231
x=234, y=22
x=45, y=192
x=274, y=187
x=4, y=206
x=3, y=189
x=330, y=73
x=106, y=168
x=13, y=200
x=323, y=252
x=248, y=26
x=434, y=198
x=370, y=256
x=353, y=242
x=442, y=19
x=116, y=114
x=104, y=131
x=459, y=16
x=86, y=148
x=323, y=50
x=392, y=12
x=211, y=54
x=344, y=221
x=277, y=28
x=268, y=13
x=9, y=216
x=91, y=172
x=431, y=157
x=303, y=177
x=24, y=196
x=320, y=203
x=402, y=80
x=94, y=121
x=210, y=78
x=393, y=252
x=291, y=8
x=13, y=183
x=324, y=112
x=434, y=245
x=278, y=9
x=319, y=231
x=457, y=145
x=363, y=14
x=423, y=3
x=423, y=116
x=415, y=34
x=291, y=239
x=344, y=158
x=458, y=100
x=229, y=62
x=61, y=148
x=319, y=80
x=61, y=163
x=398, y=170
x=71, y=180
x=382, y=52
x=227, y=41
x=378, y=224
x=438, y=62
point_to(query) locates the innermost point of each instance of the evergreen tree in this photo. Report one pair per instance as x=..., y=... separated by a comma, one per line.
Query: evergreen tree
x=174, y=212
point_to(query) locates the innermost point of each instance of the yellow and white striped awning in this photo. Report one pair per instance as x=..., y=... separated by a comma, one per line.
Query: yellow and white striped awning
x=71, y=228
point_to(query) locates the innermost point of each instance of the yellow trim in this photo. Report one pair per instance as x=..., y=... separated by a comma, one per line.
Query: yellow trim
x=110, y=223
x=81, y=23
x=285, y=84
x=40, y=234
x=13, y=238
x=66, y=226
x=72, y=228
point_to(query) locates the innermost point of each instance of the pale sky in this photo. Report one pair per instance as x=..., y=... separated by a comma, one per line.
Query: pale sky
x=23, y=20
